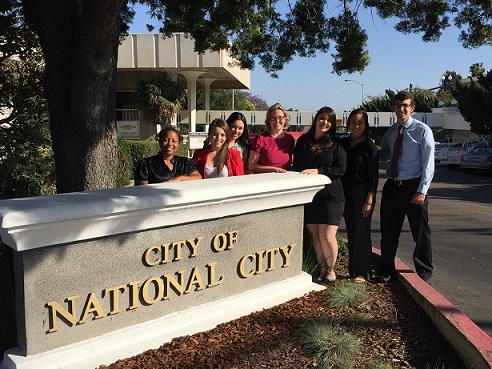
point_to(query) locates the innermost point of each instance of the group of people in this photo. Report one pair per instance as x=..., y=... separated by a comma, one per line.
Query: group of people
x=352, y=164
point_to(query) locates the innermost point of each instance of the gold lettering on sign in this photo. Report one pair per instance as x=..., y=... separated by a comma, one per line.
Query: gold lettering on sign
x=93, y=306
x=172, y=282
x=224, y=241
x=158, y=290
x=114, y=296
x=155, y=289
x=168, y=252
x=285, y=252
x=212, y=281
x=195, y=280
x=55, y=309
x=133, y=295
x=264, y=261
x=242, y=262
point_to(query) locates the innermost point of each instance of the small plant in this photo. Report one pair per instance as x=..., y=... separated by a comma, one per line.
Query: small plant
x=342, y=247
x=330, y=344
x=377, y=363
x=309, y=261
x=347, y=294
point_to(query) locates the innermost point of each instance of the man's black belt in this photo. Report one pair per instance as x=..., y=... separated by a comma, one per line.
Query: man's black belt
x=399, y=183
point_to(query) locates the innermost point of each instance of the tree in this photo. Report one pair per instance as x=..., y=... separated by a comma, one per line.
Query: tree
x=257, y=101
x=80, y=44
x=425, y=100
x=222, y=100
x=26, y=158
x=475, y=102
x=159, y=97
x=477, y=69
x=80, y=47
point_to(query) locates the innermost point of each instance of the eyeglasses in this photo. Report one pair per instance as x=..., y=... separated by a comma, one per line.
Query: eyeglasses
x=398, y=106
x=280, y=118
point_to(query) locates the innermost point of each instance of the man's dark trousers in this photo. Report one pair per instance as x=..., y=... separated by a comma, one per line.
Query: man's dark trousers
x=395, y=204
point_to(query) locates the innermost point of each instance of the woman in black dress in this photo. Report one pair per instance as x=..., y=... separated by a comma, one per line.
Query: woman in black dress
x=360, y=184
x=166, y=166
x=318, y=152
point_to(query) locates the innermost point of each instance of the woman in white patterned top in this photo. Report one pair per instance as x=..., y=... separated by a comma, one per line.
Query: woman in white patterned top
x=239, y=139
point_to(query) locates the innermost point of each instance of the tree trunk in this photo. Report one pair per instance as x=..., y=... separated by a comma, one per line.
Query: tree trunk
x=80, y=44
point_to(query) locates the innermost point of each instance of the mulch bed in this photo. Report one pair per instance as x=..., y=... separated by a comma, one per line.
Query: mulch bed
x=397, y=330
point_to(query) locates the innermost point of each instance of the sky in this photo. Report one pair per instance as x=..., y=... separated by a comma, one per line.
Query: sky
x=397, y=60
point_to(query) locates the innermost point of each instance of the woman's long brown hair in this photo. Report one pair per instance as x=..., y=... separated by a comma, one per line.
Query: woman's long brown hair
x=326, y=140
x=223, y=154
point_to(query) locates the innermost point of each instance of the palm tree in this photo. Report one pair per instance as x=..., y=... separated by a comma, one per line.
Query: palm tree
x=159, y=97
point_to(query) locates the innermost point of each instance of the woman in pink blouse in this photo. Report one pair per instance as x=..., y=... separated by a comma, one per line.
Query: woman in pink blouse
x=271, y=151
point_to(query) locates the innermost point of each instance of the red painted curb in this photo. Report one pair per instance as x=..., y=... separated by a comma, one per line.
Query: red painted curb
x=469, y=341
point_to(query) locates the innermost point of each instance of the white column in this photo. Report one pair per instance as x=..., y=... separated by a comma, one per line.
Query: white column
x=206, y=92
x=191, y=78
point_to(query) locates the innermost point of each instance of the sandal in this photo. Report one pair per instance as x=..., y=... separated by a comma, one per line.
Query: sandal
x=360, y=279
x=330, y=276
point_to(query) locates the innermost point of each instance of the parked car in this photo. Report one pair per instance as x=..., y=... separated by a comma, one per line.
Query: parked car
x=455, y=153
x=441, y=152
x=479, y=158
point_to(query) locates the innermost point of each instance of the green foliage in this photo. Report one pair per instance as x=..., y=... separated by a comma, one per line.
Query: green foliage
x=142, y=149
x=274, y=32
x=159, y=98
x=380, y=103
x=475, y=102
x=477, y=69
x=351, y=41
x=378, y=364
x=258, y=102
x=342, y=247
x=309, y=261
x=26, y=157
x=448, y=79
x=125, y=163
x=222, y=100
x=347, y=294
x=425, y=100
x=329, y=343
x=130, y=152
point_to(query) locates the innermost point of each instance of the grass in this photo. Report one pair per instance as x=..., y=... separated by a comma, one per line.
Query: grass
x=348, y=294
x=330, y=344
x=377, y=363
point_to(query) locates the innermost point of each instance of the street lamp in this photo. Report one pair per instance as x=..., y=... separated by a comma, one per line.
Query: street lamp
x=361, y=85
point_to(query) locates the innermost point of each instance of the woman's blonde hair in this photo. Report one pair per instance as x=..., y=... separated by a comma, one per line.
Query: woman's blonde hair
x=271, y=109
x=223, y=154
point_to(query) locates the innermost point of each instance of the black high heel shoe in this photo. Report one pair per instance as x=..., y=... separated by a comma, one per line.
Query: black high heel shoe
x=322, y=273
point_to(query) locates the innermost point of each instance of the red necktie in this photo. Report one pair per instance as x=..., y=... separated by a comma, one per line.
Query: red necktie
x=396, y=154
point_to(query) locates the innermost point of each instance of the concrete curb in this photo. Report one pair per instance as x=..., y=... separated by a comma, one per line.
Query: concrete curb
x=469, y=341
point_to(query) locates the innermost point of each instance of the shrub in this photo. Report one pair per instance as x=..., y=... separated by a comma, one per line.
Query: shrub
x=329, y=343
x=348, y=294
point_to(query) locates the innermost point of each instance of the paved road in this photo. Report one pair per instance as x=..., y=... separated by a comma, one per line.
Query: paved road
x=460, y=219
